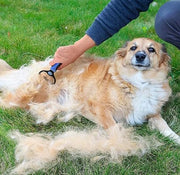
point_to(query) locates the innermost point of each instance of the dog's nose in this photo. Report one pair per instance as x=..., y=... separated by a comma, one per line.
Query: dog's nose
x=140, y=56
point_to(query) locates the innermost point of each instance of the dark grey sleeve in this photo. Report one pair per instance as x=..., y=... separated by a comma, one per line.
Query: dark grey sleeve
x=114, y=16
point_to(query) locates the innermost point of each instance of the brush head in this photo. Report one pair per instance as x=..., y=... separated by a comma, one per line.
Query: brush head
x=48, y=75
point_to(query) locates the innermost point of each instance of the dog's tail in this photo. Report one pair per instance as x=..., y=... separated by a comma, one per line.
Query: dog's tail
x=35, y=151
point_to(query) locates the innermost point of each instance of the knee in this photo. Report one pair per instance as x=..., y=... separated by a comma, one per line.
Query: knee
x=165, y=20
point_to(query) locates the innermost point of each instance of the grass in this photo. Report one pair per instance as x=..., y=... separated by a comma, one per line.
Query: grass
x=33, y=30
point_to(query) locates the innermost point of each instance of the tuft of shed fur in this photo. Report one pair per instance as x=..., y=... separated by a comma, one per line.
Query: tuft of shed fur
x=37, y=151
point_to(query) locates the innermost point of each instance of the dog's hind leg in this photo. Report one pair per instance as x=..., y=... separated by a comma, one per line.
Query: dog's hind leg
x=157, y=122
x=45, y=112
x=5, y=103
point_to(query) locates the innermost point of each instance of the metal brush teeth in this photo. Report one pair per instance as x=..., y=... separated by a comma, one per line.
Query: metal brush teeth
x=51, y=72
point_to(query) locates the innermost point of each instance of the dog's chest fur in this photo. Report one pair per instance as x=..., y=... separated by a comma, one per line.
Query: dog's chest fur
x=147, y=100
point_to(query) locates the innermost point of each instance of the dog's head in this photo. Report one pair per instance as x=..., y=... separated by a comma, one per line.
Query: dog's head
x=143, y=54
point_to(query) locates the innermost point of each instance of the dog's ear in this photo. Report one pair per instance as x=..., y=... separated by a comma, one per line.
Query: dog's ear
x=122, y=51
x=165, y=58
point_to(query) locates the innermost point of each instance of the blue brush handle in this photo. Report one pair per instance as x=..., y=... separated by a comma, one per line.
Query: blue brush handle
x=55, y=67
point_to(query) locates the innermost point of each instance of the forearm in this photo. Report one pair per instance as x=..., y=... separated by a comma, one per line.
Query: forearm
x=84, y=44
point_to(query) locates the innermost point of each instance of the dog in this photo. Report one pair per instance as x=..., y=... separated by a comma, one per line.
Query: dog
x=131, y=87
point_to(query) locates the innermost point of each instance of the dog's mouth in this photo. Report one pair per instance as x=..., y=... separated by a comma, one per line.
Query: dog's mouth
x=141, y=67
x=140, y=61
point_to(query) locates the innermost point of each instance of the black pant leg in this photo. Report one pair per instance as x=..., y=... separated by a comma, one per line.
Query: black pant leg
x=167, y=22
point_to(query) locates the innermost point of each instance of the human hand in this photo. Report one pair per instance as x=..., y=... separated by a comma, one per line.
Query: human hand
x=68, y=54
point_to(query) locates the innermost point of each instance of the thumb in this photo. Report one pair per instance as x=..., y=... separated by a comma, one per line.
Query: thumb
x=52, y=62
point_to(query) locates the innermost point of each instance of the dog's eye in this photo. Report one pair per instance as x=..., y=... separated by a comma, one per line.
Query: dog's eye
x=133, y=48
x=151, y=49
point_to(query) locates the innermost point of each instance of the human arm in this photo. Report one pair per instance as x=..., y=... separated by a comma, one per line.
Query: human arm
x=68, y=54
x=114, y=16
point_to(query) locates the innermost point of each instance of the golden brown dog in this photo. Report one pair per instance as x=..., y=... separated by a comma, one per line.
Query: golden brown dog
x=132, y=87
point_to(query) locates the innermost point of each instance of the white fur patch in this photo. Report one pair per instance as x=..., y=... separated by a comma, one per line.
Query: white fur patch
x=15, y=78
x=20, y=77
x=146, y=99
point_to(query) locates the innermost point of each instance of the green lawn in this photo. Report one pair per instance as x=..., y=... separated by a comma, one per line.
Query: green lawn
x=33, y=29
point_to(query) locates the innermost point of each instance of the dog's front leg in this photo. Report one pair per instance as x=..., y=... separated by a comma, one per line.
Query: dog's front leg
x=157, y=122
x=106, y=119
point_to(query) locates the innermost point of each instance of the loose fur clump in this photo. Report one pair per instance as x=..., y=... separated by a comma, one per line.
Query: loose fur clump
x=37, y=151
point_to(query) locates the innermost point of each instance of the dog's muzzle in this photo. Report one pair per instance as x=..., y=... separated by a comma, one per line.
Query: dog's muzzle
x=140, y=60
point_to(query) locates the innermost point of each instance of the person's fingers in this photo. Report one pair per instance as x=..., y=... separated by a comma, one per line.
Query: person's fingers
x=52, y=62
x=57, y=58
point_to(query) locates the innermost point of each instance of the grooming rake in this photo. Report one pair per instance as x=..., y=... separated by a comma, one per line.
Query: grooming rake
x=50, y=73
